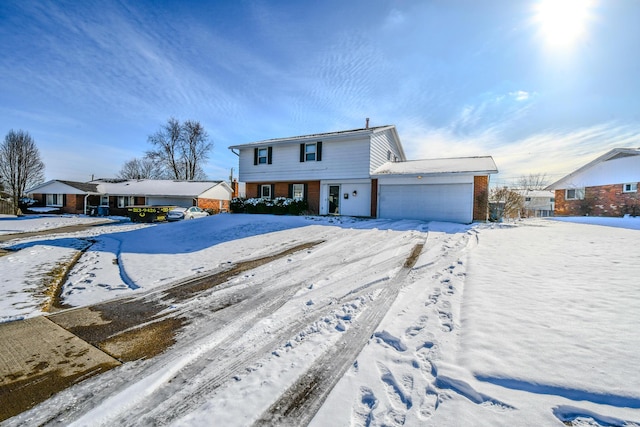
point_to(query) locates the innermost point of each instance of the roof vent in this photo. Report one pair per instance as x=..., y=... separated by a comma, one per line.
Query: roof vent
x=366, y=126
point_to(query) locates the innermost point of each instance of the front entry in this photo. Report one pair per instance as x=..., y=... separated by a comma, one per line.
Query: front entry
x=334, y=200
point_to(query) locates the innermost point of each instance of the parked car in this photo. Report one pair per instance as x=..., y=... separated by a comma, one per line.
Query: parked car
x=186, y=213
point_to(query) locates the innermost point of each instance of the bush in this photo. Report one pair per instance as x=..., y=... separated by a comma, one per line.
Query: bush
x=277, y=206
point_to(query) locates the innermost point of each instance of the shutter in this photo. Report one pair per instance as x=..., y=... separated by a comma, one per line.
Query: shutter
x=290, y=191
x=269, y=155
x=319, y=151
x=304, y=193
x=258, y=187
x=64, y=200
x=273, y=191
x=301, y=152
x=255, y=156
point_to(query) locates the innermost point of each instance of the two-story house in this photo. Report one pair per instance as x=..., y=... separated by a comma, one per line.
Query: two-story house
x=364, y=172
x=332, y=171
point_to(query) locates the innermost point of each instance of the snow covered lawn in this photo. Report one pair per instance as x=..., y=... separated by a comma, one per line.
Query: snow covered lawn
x=532, y=323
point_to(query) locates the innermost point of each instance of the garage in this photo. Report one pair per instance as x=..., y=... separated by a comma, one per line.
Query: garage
x=448, y=190
x=429, y=202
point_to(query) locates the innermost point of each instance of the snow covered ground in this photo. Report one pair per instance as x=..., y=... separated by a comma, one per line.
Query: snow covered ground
x=531, y=323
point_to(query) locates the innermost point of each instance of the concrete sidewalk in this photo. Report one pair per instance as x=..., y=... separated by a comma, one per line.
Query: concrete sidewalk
x=38, y=359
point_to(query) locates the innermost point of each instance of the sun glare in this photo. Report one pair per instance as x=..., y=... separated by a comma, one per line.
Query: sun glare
x=563, y=22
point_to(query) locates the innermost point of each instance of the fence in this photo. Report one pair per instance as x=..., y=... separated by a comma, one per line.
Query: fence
x=6, y=207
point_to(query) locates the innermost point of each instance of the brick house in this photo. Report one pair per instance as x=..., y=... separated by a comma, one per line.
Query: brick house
x=606, y=186
x=116, y=195
x=364, y=172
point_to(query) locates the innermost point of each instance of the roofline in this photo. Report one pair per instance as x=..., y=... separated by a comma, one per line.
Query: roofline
x=602, y=158
x=343, y=134
x=480, y=171
x=61, y=181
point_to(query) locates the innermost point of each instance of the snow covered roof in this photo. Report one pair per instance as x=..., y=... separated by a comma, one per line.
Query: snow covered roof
x=324, y=136
x=53, y=186
x=484, y=165
x=154, y=187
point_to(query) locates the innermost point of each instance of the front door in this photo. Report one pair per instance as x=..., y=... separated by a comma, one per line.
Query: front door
x=334, y=200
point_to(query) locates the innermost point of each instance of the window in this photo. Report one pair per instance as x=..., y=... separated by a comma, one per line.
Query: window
x=262, y=156
x=124, y=201
x=630, y=188
x=574, y=194
x=265, y=191
x=104, y=200
x=55, y=199
x=527, y=199
x=311, y=152
x=298, y=191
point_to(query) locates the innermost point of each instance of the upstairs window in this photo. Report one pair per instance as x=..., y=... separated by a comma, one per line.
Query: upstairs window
x=262, y=156
x=311, y=152
x=574, y=194
x=630, y=188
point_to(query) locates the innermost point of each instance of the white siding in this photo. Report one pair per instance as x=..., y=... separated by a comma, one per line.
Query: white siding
x=382, y=144
x=617, y=171
x=358, y=205
x=56, y=187
x=219, y=192
x=340, y=160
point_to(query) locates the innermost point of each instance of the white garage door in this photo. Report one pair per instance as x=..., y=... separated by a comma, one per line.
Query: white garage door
x=430, y=202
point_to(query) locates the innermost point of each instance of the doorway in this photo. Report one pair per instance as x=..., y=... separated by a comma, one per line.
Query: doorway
x=334, y=200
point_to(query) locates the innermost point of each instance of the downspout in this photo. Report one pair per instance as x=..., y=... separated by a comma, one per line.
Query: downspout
x=86, y=196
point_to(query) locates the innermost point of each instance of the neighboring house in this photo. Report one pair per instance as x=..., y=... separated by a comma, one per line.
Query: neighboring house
x=364, y=172
x=607, y=186
x=537, y=203
x=117, y=195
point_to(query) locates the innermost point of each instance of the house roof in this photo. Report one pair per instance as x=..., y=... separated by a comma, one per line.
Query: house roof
x=155, y=187
x=477, y=165
x=344, y=135
x=616, y=153
x=81, y=187
x=134, y=187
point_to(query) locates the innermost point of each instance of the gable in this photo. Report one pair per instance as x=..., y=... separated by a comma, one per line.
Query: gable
x=618, y=166
x=63, y=187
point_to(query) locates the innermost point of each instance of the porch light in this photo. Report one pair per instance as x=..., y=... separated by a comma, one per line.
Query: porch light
x=419, y=176
x=355, y=193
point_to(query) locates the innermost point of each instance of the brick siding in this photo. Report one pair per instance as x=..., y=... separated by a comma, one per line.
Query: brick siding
x=282, y=190
x=480, y=197
x=216, y=205
x=604, y=200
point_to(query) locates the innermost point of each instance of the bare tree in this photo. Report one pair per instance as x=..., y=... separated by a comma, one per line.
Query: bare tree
x=536, y=181
x=20, y=164
x=511, y=201
x=182, y=149
x=144, y=168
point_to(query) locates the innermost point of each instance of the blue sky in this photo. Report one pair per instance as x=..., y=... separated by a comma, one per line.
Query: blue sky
x=542, y=90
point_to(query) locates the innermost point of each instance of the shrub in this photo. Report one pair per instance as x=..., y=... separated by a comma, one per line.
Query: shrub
x=277, y=206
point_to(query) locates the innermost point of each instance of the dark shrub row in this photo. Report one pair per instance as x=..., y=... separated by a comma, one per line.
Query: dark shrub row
x=277, y=206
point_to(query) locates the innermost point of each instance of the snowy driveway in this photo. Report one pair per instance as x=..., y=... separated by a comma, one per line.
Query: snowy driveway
x=347, y=332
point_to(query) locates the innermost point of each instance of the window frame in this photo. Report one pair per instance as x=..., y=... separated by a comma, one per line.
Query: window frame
x=300, y=190
x=269, y=196
x=104, y=199
x=263, y=156
x=54, y=199
x=578, y=194
x=310, y=156
x=125, y=201
x=633, y=187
